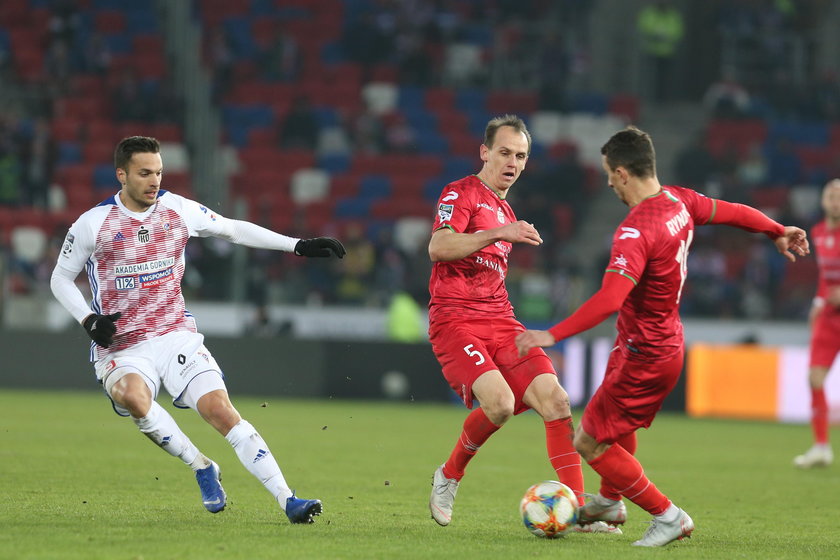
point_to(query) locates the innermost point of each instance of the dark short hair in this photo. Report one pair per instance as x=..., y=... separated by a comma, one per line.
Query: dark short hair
x=631, y=149
x=505, y=120
x=134, y=145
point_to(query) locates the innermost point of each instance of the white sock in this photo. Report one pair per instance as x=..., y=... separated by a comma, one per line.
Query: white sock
x=255, y=456
x=669, y=514
x=159, y=426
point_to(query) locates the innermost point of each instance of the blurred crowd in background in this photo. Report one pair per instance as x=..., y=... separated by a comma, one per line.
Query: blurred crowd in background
x=769, y=136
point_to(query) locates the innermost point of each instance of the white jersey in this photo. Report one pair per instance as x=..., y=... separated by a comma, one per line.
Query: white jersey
x=135, y=262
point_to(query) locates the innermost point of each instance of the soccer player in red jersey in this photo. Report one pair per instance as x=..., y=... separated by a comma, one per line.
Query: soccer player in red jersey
x=472, y=325
x=643, y=282
x=825, y=324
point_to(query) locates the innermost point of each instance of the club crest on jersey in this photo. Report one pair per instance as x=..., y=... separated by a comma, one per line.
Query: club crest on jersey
x=445, y=212
x=621, y=261
x=143, y=235
x=500, y=216
x=67, y=248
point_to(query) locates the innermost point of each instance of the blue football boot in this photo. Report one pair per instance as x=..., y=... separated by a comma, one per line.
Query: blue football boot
x=299, y=510
x=209, y=482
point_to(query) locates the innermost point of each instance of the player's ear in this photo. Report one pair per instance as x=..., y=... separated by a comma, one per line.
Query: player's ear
x=121, y=175
x=483, y=151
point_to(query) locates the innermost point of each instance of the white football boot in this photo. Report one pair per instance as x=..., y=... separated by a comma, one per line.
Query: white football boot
x=820, y=455
x=598, y=508
x=442, y=499
x=663, y=532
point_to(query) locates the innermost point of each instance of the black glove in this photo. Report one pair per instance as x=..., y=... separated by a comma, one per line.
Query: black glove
x=320, y=247
x=101, y=328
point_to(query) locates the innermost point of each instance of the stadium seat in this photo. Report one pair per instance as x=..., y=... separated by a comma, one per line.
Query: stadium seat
x=309, y=185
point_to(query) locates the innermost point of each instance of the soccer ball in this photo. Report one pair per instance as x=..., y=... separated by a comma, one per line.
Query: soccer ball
x=549, y=509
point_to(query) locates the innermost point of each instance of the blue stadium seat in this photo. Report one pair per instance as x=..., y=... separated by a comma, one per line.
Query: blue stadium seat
x=352, y=208
x=334, y=163
x=429, y=142
x=104, y=177
x=590, y=102
x=69, y=153
x=139, y=19
x=374, y=186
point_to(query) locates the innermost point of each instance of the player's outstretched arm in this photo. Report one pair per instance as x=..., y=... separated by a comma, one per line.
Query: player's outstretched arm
x=320, y=247
x=602, y=304
x=793, y=242
x=447, y=245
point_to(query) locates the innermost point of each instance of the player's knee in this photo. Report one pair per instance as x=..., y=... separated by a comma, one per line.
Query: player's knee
x=132, y=393
x=215, y=407
x=499, y=410
x=585, y=445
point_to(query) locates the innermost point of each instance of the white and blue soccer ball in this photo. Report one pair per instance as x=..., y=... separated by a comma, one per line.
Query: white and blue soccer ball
x=549, y=509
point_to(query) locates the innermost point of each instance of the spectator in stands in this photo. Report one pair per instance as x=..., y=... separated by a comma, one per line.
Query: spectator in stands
x=825, y=97
x=414, y=64
x=282, y=59
x=367, y=133
x=300, y=127
x=356, y=270
x=221, y=59
x=96, y=54
x=399, y=135
x=727, y=98
x=660, y=30
x=58, y=68
x=10, y=171
x=694, y=164
x=366, y=42
x=130, y=104
x=752, y=169
x=38, y=157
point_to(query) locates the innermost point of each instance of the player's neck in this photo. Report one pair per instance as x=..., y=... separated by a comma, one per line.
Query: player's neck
x=500, y=193
x=646, y=188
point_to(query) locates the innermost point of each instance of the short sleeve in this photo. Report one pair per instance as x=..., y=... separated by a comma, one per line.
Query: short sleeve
x=454, y=209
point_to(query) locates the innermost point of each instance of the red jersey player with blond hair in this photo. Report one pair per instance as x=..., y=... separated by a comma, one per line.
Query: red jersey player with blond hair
x=471, y=322
x=825, y=325
x=643, y=282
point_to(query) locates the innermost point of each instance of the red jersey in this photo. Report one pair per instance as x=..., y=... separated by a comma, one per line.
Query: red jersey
x=827, y=248
x=650, y=247
x=475, y=285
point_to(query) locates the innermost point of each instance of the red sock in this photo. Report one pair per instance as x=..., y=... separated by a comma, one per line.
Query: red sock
x=559, y=441
x=477, y=429
x=623, y=472
x=628, y=442
x=819, y=415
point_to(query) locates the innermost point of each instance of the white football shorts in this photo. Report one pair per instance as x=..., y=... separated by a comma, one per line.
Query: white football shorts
x=178, y=360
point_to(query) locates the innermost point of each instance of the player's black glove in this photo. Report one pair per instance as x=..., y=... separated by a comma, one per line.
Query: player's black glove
x=320, y=247
x=101, y=328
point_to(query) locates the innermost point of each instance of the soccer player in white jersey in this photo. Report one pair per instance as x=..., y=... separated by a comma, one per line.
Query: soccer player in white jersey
x=132, y=247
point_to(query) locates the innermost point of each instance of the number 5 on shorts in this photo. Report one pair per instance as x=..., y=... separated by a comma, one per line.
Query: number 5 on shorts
x=475, y=354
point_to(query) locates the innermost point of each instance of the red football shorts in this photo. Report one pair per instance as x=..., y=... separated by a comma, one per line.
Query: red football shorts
x=825, y=339
x=630, y=396
x=467, y=349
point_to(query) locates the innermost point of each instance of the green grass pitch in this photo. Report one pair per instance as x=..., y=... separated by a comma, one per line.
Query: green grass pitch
x=78, y=482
